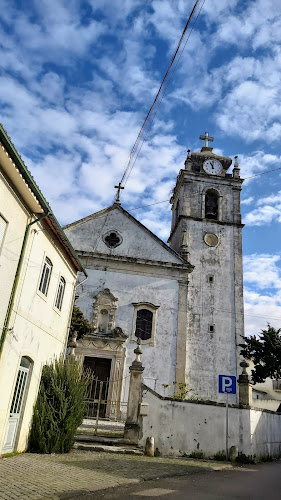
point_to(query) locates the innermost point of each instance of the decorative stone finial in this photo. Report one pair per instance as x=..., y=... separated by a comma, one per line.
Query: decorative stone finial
x=244, y=364
x=137, y=364
x=236, y=169
x=138, y=350
x=187, y=162
x=244, y=377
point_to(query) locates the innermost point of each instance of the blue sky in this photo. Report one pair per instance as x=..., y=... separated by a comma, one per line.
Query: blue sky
x=78, y=77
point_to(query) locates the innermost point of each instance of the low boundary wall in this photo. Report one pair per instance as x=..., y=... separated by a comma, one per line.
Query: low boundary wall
x=185, y=426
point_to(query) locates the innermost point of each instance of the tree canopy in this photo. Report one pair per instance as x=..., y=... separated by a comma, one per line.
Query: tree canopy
x=79, y=324
x=265, y=352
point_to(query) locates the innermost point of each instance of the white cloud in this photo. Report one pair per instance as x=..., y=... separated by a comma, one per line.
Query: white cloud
x=247, y=201
x=262, y=291
x=268, y=210
x=261, y=309
x=262, y=215
x=262, y=270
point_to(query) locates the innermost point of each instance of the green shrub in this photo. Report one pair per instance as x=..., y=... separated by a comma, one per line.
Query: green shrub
x=245, y=459
x=197, y=454
x=266, y=458
x=59, y=408
x=220, y=456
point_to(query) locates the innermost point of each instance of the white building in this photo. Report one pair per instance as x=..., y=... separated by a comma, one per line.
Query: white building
x=190, y=321
x=265, y=395
x=38, y=270
x=134, y=281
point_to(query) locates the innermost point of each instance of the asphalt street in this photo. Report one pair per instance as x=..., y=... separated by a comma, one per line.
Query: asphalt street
x=252, y=482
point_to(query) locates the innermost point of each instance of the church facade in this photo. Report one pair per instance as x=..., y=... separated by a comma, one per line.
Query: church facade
x=185, y=301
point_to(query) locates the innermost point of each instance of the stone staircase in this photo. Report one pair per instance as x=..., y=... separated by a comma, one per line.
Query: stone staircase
x=109, y=438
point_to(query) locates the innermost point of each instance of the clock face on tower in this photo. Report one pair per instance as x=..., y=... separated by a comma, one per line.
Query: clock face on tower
x=213, y=167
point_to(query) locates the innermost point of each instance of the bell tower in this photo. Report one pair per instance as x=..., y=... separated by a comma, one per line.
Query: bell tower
x=207, y=231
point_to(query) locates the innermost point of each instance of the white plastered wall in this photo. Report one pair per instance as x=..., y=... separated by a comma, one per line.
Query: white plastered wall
x=36, y=329
x=180, y=427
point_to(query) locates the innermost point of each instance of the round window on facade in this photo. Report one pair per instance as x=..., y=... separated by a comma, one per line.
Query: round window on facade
x=112, y=239
x=211, y=240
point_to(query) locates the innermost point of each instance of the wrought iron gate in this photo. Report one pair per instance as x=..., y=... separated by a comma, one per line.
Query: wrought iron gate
x=103, y=400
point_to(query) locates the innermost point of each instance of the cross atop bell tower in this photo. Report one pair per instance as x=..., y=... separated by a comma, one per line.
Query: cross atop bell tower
x=206, y=138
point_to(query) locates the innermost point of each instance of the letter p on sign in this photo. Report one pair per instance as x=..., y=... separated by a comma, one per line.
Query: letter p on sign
x=227, y=384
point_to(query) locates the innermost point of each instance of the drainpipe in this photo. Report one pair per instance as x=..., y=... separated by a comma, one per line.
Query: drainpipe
x=16, y=281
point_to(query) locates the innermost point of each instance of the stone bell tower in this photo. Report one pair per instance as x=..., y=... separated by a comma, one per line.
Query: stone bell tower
x=207, y=231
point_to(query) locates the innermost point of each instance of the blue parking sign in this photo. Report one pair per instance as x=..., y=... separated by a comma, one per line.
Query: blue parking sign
x=227, y=384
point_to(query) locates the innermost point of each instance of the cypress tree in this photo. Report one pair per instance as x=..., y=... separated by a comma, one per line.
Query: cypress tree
x=59, y=408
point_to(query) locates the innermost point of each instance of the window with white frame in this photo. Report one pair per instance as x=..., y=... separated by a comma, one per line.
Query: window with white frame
x=3, y=227
x=60, y=293
x=46, y=276
x=144, y=323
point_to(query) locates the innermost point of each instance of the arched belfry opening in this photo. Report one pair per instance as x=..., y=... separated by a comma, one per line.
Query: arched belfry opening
x=211, y=204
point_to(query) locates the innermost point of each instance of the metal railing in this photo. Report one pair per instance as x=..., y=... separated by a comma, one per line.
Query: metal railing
x=103, y=400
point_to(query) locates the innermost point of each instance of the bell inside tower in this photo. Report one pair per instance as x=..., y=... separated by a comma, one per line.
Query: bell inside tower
x=211, y=205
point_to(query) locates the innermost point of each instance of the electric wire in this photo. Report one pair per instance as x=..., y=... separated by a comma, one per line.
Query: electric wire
x=143, y=132
x=161, y=99
x=197, y=192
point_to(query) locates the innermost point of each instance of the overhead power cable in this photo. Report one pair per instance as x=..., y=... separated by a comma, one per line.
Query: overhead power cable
x=196, y=193
x=162, y=90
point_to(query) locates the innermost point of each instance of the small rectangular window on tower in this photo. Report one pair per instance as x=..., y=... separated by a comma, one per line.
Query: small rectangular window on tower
x=211, y=279
x=211, y=328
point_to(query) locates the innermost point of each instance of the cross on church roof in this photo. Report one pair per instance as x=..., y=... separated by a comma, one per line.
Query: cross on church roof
x=206, y=138
x=119, y=187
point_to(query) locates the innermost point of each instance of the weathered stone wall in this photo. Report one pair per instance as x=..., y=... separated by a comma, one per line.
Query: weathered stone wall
x=215, y=309
x=210, y=353
x=184, y=426
x=158, y=358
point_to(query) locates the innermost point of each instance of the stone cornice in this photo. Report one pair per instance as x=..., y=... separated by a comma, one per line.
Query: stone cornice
x=93, y=260
x=208, y=221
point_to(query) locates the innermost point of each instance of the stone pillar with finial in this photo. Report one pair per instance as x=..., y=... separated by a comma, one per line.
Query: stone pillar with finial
x=188, y=161
x=132, y=426
x=236, y=169
x=245, y=389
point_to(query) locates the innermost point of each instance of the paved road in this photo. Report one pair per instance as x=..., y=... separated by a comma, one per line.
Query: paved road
x=255, y=482
x=33, y=477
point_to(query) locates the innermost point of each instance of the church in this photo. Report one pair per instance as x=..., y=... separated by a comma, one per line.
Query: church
x=183, y=300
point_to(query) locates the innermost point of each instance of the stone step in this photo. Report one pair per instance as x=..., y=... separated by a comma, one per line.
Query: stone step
x=107, y=440
x=104, y=427
x=90, y=430
x=90, y=422
x=107, y=448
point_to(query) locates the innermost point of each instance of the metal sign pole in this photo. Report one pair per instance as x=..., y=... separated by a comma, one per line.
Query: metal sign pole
x=226, y=428
x=227, y=385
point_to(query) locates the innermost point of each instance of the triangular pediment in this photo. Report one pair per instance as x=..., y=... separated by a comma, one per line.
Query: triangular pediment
x=115, y=232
